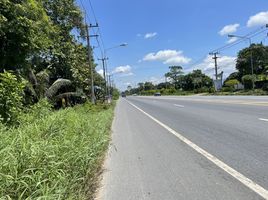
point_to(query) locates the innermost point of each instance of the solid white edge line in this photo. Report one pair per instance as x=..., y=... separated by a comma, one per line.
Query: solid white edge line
x=237, y=175
x=262, y=119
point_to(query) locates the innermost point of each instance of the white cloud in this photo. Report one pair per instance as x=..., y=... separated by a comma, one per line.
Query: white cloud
x=229, y=29
x=100, y=72
x=139, y=35
x=225, y=64
x=259, y=19
x=231, y=40
x=150, y=35
x=123, y=70
x=171, y=57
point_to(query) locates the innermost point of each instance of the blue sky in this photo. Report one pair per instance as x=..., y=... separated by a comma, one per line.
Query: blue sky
x=172, y=32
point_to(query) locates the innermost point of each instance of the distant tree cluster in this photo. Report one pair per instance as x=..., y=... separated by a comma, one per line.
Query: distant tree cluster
x=176, y=83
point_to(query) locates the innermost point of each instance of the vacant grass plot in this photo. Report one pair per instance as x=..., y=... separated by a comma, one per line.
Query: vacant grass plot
x=54, y=155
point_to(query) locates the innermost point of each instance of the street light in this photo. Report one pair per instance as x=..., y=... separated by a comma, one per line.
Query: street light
x=105, y=70
x=251, y=56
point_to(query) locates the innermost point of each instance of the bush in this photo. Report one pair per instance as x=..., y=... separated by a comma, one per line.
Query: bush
x=11, y=97
x=247, y=81
x=227, y=89
x=231, y=83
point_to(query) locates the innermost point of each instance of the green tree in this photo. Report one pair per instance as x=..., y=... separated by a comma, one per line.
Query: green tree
x=196, y=80
x=175, y=74
x=66, y=52
x=260, y=60
x=25, y=30
x=148, y=86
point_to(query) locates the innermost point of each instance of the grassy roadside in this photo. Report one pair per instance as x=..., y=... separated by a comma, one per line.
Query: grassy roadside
x=256, y=92
x=54, y=155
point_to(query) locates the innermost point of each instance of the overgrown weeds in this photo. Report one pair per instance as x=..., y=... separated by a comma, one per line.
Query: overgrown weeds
x=54, y=155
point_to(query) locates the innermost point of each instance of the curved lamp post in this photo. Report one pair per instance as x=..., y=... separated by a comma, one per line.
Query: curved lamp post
x=105, y=68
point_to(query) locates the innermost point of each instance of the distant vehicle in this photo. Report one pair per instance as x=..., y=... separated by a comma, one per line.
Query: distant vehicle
x=135, y=95
x=157, y=94
x=123, y=94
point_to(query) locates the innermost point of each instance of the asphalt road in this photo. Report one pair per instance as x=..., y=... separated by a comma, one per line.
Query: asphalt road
x=147, y=161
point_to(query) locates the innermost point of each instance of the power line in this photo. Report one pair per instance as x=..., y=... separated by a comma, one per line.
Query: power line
x=228, y=46
x=249, y=35
x=99, y=32
x=94, y=31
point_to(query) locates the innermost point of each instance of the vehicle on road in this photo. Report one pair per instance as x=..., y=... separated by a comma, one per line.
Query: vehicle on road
x=157, y=94
x=123, y=94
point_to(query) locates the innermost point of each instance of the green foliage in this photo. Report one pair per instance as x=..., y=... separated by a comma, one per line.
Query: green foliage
x=231, y=83
x=56, y=86
x=25, y=30
x=115, y=93
x=54, y=155
x=11, y=94
x=248, y=81
x=196, y=80
x=260, y=60
x=37, y=41
x=40, y=110
x=175, y=74
x=227, y=89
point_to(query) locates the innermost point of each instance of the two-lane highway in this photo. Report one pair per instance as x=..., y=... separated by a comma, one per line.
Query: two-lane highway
x=188, y=148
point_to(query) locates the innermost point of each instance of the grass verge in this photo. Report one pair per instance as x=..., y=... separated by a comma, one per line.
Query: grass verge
x=54, y=155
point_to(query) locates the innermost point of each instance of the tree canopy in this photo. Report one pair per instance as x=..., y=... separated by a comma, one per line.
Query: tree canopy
x=260, y=60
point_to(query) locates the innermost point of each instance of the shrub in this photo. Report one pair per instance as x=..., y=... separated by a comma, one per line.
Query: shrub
x=227, y=89
x=11, y=96
x=247, y=81
x=231, y=83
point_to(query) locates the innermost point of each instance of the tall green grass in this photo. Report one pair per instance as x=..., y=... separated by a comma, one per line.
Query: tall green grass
x=54, y=155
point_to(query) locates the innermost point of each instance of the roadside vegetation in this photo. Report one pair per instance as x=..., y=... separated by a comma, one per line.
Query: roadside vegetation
x=244, y=81
x=54, y=154
x=52, y=140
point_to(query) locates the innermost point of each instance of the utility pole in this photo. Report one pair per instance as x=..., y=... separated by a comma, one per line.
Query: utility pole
x=215, y=57
x=104, y=74
x=90, y=59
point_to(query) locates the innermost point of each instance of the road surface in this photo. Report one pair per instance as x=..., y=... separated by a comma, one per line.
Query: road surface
x=188, y=148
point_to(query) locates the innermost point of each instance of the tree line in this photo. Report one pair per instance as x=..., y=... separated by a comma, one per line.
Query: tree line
x=40, y=56
x=177, y=82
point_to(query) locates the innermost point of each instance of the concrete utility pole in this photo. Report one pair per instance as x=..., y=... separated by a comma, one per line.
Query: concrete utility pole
x=104, y=74
x=215, y=57
x=90, y=59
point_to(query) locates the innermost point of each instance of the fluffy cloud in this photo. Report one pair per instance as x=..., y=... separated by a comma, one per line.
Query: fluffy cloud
x=229, y=29
x=150, y=35
x=124, y=70
x=171, y=57
x=258, y=19
x=225, y=64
